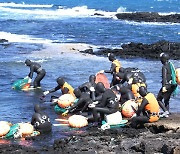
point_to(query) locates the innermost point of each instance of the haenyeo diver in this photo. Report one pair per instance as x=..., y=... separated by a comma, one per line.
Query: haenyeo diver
x=149, y=107
x=108, y=104
x=128, y=74
x=126, y=93
x=81, y=105
x=115, y=66
x=85, y=87
x=65, y=87
x=35, y=67
x=136, y=83
x=40, y=120
x=168, y=86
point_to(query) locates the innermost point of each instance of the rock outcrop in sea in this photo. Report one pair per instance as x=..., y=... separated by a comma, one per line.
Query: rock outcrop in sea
x=149, y=17
x=140, y=50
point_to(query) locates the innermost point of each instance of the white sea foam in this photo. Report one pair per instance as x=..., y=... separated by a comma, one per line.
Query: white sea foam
x=168, y=13
x=51, y=49
x=68, y=50
x=23, y=5
x=149, y=23
x=40, y=13
x=121, y=10
x=22, y=38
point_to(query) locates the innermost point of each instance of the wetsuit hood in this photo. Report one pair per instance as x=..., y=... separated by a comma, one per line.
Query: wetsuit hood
x=37, y=108
x=122, y=69
x=60, y=81
x=77, y=92
x=164, y=58
x=92, y=78
x=111, y=56
x=100, y=87
x=28, y=62
x=143, y=91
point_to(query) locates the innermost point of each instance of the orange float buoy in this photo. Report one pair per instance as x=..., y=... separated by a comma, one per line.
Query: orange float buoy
x=178, y=76
x=77, y=121
x=128, y=108
x=4, y=128
x=26, y=129
x=101, y=77
x=66, y=100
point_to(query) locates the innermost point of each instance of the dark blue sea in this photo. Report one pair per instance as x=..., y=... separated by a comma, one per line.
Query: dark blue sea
x=52, y=32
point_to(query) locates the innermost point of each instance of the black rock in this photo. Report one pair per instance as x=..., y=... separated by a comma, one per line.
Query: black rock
x=140, y=50
x=149, y=17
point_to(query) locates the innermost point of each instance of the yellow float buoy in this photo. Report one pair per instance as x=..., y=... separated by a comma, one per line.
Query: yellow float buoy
x=26, y=129
x=178, y=76
x=77, y=121
x=4, y=128
x=66, y=100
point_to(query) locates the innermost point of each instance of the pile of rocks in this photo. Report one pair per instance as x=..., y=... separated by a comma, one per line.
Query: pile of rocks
x=148, y=51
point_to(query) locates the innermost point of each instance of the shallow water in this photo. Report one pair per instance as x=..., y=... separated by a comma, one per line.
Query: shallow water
x=39, y=30
x=17, y=106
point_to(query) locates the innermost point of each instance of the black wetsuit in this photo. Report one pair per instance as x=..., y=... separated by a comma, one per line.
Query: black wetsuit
x=145, y=117
x=64, y=91
x=86, y=86
x=107, y=105
x=113, y=72
x=35, y=67
x=128, y=73
x=140, y=119
x=126, y=94
x=166, y=82
x=82, y=104
x=41, y=120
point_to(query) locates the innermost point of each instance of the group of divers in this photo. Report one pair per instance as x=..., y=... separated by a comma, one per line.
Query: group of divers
x=94, y=100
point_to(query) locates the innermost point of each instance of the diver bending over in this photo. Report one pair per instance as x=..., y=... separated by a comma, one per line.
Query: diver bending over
x=35, y=67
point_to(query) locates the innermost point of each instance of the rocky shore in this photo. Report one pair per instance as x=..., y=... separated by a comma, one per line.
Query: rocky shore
x=140, y=50
x=160, y=137
x=149, y=17
x=130, y=50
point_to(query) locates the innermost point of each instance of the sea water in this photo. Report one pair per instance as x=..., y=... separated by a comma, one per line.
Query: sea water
x=52, y=33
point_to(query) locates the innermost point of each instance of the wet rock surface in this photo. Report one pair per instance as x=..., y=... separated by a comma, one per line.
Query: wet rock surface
x=140, y=50
x=149, y=17
x=160, y=137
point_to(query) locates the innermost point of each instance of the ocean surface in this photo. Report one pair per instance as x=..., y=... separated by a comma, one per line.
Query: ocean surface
x=52, y=32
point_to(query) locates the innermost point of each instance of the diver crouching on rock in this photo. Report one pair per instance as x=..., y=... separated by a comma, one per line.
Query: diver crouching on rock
x=149, y=107
x=108, y=104
x=125, y=92
x=81, y=105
